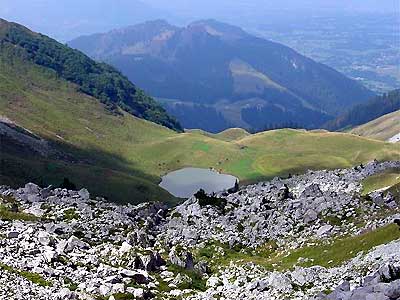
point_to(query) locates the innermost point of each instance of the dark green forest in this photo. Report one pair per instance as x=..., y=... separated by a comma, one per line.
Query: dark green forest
x=95, y=79
x=363, y=113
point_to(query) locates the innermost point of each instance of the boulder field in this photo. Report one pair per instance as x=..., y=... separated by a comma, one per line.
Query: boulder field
x=312, y=236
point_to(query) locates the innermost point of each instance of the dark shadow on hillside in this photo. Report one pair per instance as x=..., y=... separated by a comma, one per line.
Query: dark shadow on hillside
x=103, y=174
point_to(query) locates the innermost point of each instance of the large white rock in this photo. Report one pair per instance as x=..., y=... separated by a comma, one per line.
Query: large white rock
x=49, y=255
x=213, y=282
x=127, y=273
x=104, y=290
x=35, y=210
x=84, y=194
x=60, y=248
x=118, y=288
x=73, y=242
x=324, y=230
x=13, y=235
x=64, y=294
x=31, y=188
x=280, y=282
x=125, y=248
x=138, y=293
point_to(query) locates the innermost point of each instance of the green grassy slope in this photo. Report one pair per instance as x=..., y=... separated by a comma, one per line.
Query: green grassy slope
x=134, y=148
x=96, y=79
x=382, y=128
x=232, y=134
x=123, y=157
x=332, y=254
x=128, y=155
x=382, y=180
x=79, y=125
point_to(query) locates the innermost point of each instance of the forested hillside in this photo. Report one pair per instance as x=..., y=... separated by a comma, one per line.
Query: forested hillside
x=369, y=111
x=95, y=79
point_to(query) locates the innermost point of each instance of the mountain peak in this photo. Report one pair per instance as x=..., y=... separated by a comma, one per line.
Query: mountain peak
x=209, y=62
x=151, y=28
x=158, y=24
x=216, y=28
x=3, y=22
x=7, y=26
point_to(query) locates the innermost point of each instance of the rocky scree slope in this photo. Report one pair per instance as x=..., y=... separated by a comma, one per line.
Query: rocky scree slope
x=276, y=210
x=61, y=244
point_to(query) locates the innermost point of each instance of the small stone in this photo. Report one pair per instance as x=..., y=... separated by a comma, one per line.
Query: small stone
x=44, y=238
x=13, y=235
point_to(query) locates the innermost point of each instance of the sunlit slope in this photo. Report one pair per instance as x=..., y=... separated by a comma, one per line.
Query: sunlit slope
x=293, y=151
x=228, y=135
x=232, y=134
x=382, y=128
x=78, y=125
x=123, y=157
x=264, y=155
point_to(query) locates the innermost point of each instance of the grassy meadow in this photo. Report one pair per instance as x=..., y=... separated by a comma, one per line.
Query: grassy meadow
x=123, y=157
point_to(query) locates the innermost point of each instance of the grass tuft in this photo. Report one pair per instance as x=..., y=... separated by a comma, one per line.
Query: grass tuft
x=33, y=277
x=340, y=250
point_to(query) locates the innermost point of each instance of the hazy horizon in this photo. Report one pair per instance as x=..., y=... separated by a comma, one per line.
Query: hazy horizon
x=65, y=20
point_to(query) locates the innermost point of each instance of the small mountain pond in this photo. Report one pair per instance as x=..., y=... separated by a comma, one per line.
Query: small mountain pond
x=185, y=182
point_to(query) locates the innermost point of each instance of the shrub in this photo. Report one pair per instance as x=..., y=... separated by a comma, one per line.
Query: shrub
x=205, y=200
x=70, y=214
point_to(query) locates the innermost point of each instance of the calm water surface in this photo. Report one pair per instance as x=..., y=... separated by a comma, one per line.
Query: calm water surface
x=186, y=182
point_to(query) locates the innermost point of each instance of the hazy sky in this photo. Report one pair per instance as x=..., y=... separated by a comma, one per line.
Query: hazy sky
x=66, y=19
x=193, y=6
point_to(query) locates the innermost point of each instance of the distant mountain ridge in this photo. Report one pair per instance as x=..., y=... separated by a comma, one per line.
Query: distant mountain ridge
x=215, y=65
x=65, y=20
x=92, y=78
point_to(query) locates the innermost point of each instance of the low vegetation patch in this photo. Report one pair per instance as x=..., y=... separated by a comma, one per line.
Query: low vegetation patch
x=197, y=280
x=71, y=214
x=381, y=180
x=211, y=200
x=33, y=277
x=72, y=286
x=123, y=296
x=340, y=250
x=9, y=210
x=219, y=254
